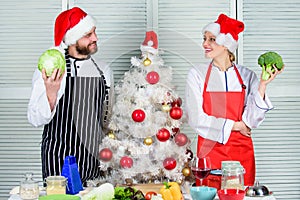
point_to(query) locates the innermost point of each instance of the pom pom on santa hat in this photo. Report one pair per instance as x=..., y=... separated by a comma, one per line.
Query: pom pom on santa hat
x=71, y=25
x=226, y=31
x=150, y=43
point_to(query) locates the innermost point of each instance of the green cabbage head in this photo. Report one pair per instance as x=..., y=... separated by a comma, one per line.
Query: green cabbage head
x=50, y=60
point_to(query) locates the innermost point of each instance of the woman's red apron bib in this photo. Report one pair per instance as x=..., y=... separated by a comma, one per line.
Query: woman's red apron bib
x=228, y=105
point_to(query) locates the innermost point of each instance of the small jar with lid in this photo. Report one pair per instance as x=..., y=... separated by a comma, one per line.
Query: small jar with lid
x=56, y=185
x=232, y=175
x=29, y=188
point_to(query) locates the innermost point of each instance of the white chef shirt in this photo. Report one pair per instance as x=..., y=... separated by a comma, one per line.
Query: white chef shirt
x=219, y=129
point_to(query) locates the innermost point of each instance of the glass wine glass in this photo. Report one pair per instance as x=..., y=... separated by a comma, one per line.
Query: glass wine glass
x=201, y=168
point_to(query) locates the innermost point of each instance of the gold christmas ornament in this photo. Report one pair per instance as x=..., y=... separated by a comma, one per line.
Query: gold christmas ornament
x=147, y=62
x=180, y=181
x=186, y=171
x=111, y=135
x=166, y=107
x=148, y=141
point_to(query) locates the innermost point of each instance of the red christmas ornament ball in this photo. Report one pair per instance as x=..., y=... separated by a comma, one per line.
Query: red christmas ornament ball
x=169, y=163
x=138, y=115
x=176, y=112
x=181, y=139
x=177, y=102
x=126, y=162
x=163, y=135
x=105, y=154
x=175, y=130
x=152, y=77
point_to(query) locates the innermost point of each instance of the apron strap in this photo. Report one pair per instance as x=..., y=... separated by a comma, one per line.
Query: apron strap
x=243, y=91
x=68, y=63
x=106, y=100
x=239, y=77
x=207, y=76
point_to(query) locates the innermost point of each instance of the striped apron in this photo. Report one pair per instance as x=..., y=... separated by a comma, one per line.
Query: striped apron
x=76, y=128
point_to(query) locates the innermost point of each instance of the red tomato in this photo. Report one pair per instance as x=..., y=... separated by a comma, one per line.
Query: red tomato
x=149, y=195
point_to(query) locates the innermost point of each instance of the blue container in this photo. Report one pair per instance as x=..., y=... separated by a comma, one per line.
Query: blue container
x=70, y=171
x=203, y=193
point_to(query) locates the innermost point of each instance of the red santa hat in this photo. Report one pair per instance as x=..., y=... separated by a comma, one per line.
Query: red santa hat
x=71, y=25
x=226, y=30
x=150, y=43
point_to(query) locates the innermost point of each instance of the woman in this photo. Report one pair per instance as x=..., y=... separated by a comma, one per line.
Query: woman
x=224, y=101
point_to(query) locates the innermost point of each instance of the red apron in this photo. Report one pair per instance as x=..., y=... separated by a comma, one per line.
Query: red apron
x=229, y=105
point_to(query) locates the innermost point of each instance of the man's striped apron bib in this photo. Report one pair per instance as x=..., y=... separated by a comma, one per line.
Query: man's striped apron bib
x=76, y=128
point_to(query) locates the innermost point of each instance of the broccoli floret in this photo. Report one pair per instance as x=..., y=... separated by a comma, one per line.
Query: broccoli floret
x=267, y=60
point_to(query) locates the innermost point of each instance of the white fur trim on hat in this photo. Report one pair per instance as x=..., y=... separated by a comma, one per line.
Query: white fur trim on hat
x=149, y=49
x=221, y=39
x=80, y=30
x=227, y=41
x=150, y=43
x=214, y=28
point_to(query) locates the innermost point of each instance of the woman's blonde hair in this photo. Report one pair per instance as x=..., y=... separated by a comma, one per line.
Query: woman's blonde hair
x=231, y=56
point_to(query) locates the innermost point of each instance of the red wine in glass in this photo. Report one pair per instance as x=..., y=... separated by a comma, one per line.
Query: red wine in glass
x=201, y=173
x=201, y=168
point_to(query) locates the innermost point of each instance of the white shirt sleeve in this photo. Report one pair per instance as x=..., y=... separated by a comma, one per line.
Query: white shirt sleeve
x=210, y=127
x=39, y=112
x=255, y=106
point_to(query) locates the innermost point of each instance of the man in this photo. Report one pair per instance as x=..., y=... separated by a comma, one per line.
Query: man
x=74, y=106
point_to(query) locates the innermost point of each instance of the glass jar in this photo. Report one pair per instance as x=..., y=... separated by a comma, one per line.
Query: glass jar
x=232, y=175
x=56, y=185
x=29, y=189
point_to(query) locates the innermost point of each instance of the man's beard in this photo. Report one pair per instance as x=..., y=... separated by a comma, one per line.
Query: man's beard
x=85, y=50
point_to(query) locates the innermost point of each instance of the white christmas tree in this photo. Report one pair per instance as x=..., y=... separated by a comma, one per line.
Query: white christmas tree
x=145, y=144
